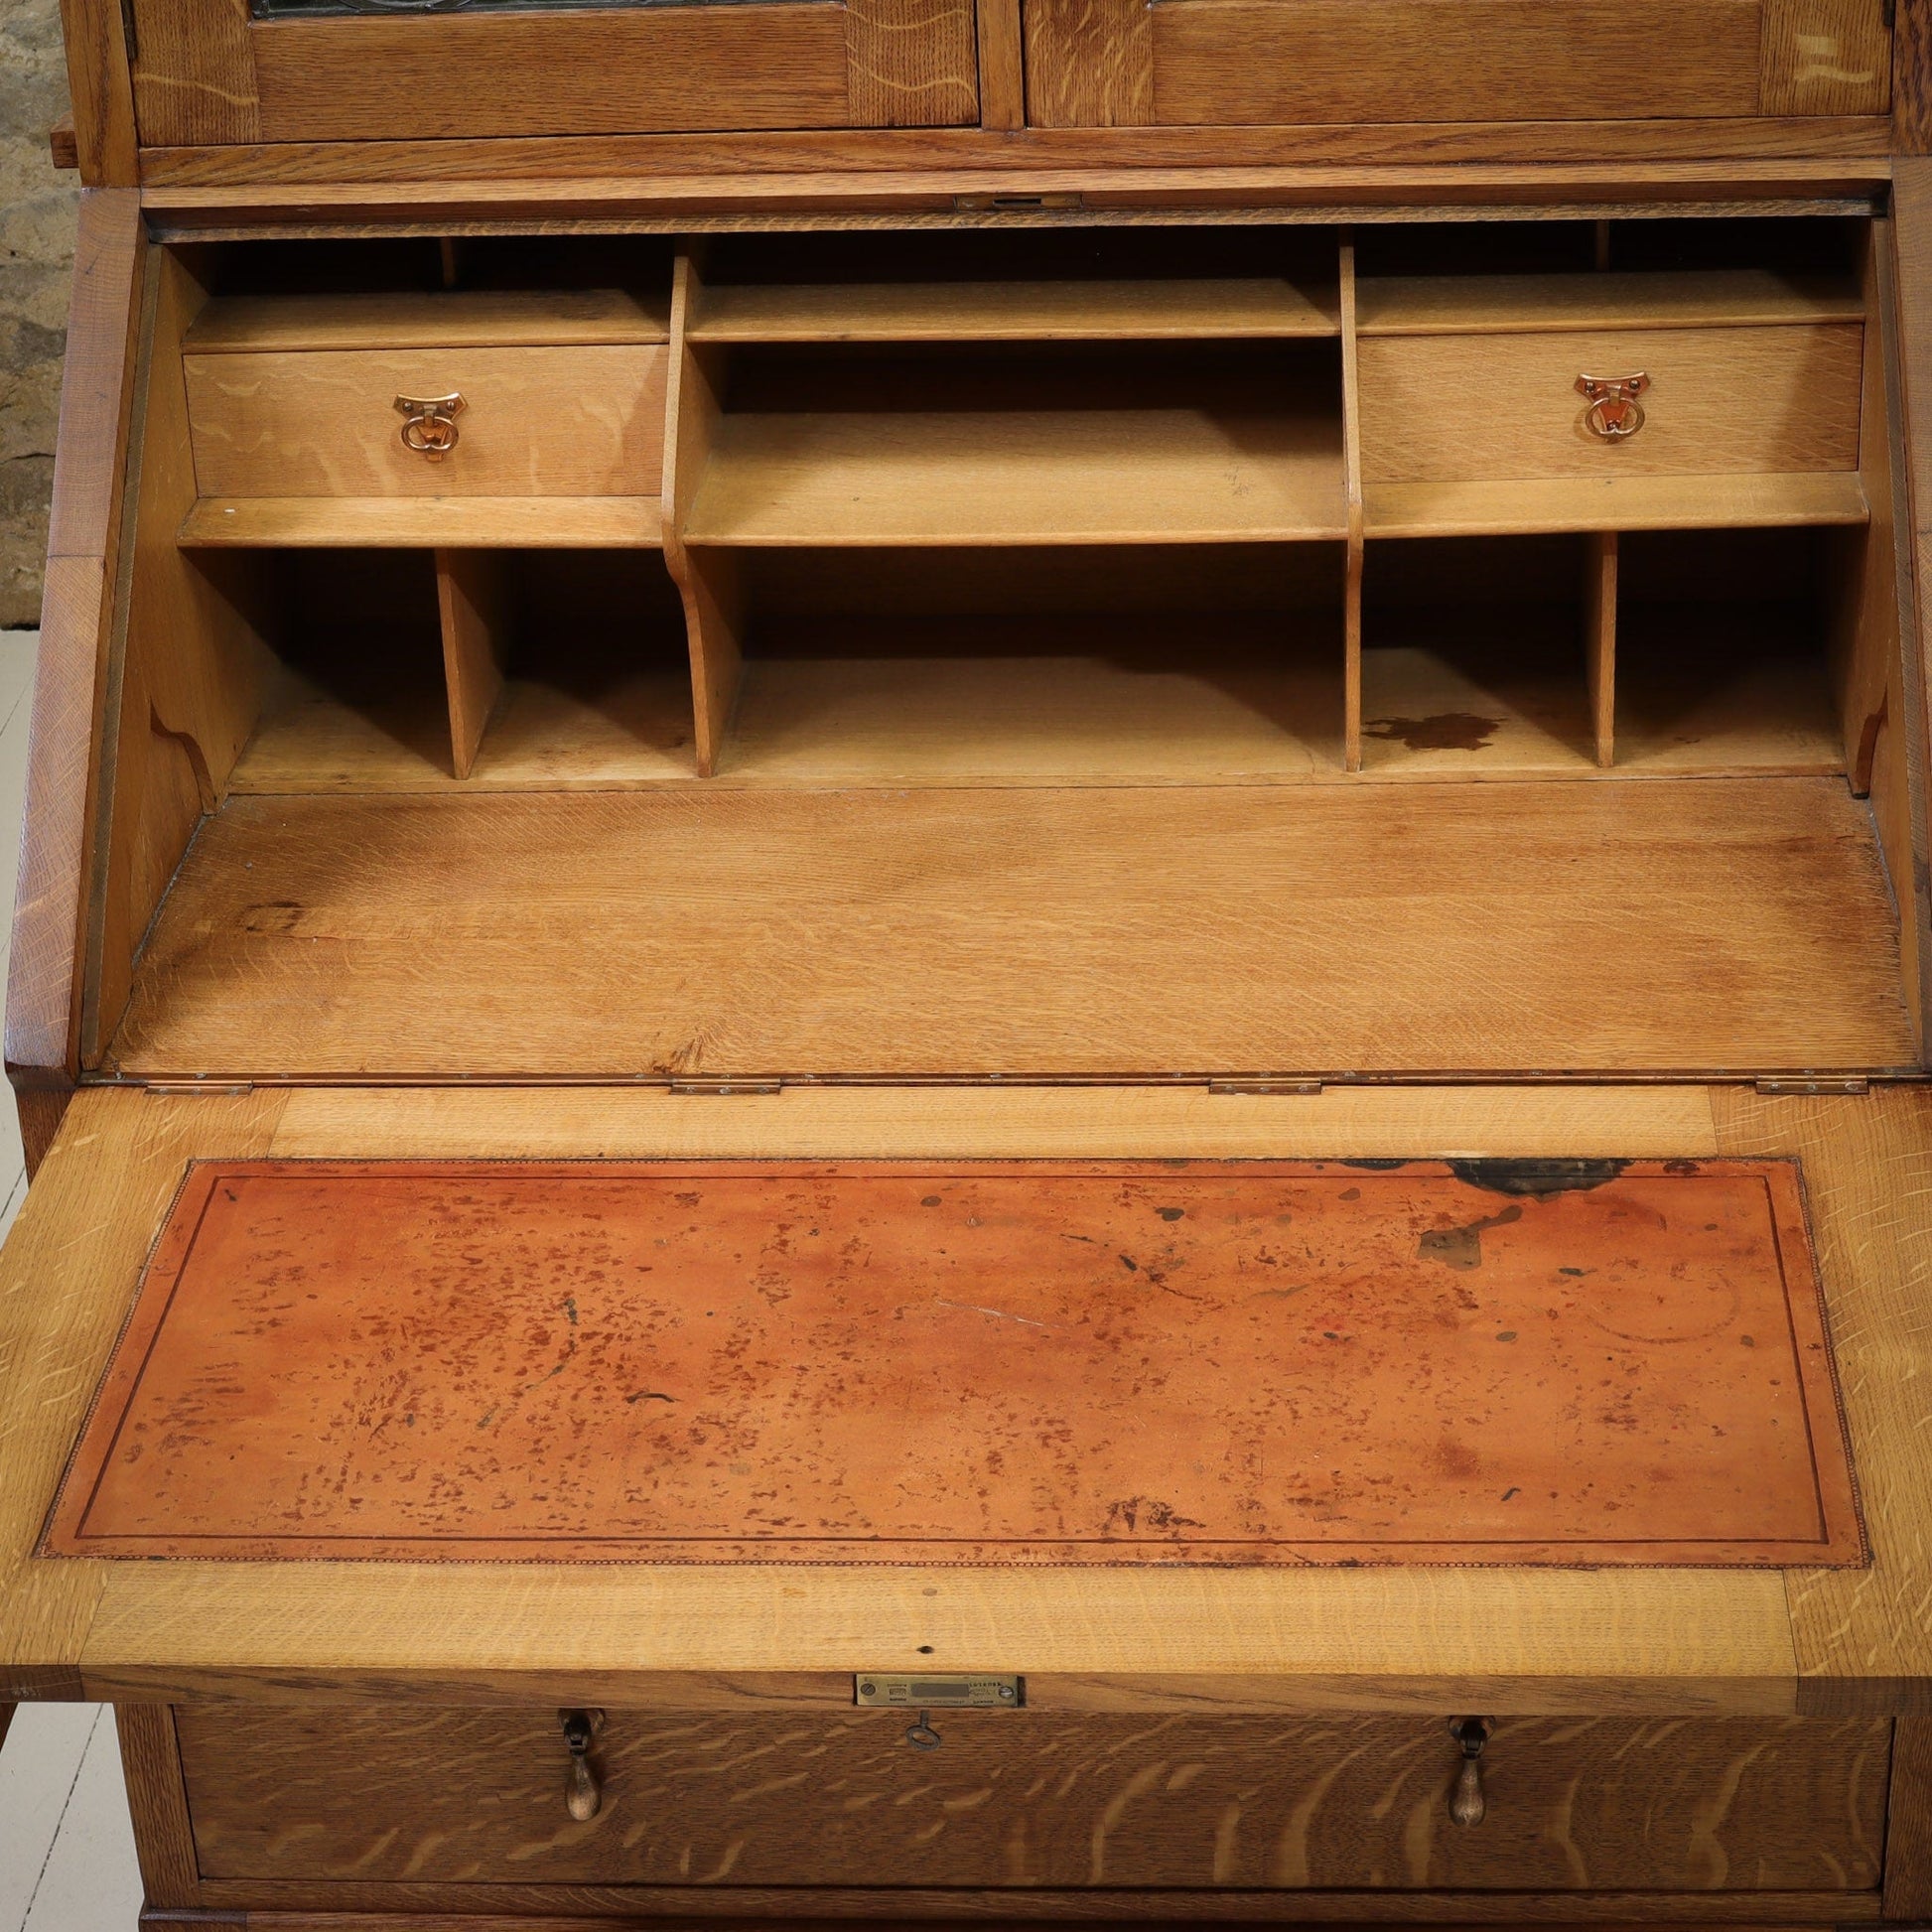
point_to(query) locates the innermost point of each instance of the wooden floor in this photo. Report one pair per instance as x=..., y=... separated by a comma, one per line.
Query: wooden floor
x=1722, y=924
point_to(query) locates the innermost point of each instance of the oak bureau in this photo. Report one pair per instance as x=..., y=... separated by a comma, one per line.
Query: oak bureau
x=973, y=963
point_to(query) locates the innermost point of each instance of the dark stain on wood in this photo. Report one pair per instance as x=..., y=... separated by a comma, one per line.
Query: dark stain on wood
x=1446, y=731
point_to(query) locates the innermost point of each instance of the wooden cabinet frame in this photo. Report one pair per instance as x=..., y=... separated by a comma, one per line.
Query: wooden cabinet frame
x=208, y=74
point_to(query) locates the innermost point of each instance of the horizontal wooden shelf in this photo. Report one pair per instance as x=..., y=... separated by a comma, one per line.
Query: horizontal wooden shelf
x=995, y=477
x=1582, y=503
x=426, y=523
x=911, y=311
x=410, y=319
x=1490, y=305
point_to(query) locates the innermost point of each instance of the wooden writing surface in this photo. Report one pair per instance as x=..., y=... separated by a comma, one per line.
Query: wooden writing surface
x=1071, y=1362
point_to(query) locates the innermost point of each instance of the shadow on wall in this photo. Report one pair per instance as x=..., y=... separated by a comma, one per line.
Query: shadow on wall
x=36, y=219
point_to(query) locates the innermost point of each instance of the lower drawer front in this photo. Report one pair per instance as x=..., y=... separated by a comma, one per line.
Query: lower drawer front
x=1769, y=401
x=1029, y=1798
x=574, y=421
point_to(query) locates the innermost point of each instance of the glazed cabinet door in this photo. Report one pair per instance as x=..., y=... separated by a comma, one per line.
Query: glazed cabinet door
x=1260, y=63
x=216, y=72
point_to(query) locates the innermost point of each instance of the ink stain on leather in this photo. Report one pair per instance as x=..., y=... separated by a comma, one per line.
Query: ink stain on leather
x=1131, y=1513
x=1462, y=1247
x=1537, y=1179
x=1447, y=731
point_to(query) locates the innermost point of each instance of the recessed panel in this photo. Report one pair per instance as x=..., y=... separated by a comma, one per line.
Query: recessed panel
x=1129, y=1362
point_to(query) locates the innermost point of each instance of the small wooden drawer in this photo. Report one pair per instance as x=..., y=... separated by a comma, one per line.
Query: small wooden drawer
x=1037, y=1799
x=1707, y=375
x=559, y=396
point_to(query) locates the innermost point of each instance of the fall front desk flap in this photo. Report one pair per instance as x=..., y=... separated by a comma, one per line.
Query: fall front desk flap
x=1254, y=1363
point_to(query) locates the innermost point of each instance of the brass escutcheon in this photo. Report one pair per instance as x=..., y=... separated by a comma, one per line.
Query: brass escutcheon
x=1614, y=413
x=428, y=424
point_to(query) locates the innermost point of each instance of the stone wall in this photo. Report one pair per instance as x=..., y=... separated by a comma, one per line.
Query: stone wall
x=36, y=216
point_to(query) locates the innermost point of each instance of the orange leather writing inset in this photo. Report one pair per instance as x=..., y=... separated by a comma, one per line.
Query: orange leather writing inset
x=1251, y=1362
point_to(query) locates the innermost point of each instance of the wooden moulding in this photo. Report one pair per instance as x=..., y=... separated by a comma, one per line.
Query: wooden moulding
x=84, y=539
x=101, y=88
x=352, y=1906
x=1453, y=506
x=1909, y=262
x=164, y=1835
x=424, y=523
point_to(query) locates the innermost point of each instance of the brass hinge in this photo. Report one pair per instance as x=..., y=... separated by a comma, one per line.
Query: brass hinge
x=174, y=1089
x=728, y=1089
x=1304, y=1088
x=1852, y=1085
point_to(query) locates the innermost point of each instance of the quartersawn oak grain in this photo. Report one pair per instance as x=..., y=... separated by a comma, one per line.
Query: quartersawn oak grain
x=1867, y=1164
x=1739, y=923
x=1025, y=1799
x=1758, y=401
x=63, y=1278
x=586, y=420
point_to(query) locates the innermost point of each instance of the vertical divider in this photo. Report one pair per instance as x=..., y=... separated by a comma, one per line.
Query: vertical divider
x=1351, y=446
x=472, y=601
x=707, y=581
x=1600, y=618
x=1003, y=84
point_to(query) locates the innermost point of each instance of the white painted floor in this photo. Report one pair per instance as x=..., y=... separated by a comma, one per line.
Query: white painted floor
x=67, y=1849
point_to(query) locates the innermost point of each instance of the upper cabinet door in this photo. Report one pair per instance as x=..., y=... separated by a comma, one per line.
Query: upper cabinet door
x=246, y=71
x=1261, y=63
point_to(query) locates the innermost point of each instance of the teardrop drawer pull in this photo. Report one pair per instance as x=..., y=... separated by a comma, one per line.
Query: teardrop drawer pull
x=583, y=1793
x=428, y=424
x=1467, y=1803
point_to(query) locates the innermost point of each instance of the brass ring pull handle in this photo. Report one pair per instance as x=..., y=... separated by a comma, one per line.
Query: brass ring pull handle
x=583, y=1794
x=428, y=424
x=1614, y=413
x=1467, y=1805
